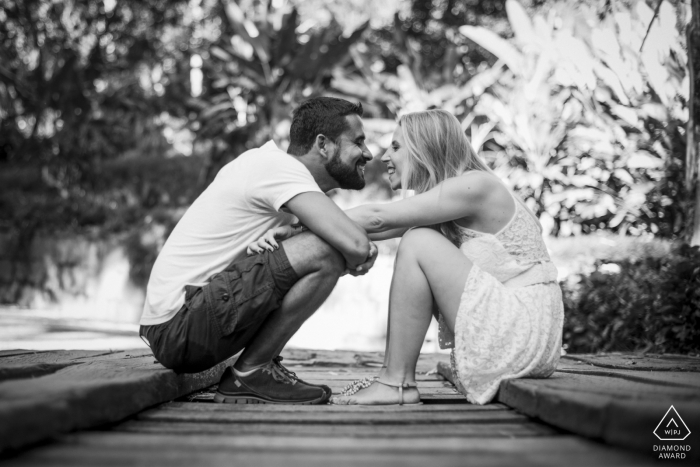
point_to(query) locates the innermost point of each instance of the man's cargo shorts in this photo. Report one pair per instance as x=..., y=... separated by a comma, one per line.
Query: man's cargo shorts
x=219, y=319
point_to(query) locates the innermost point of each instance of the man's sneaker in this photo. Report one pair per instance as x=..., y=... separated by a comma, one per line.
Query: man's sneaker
x=270, y=384
x=278, y=361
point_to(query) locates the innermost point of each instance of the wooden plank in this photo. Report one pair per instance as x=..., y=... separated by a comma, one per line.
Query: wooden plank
x=431, y=383
x=193, y=406
x=426, y=398
x=639, y=362
x=164, y=414
x=615, y=387
x=340, y=383
x=346, y=358
x=443, y=390
x=621, y=407
x=20, y=357
x=96, y=388
x=349, y=374
x=440, y=388
x=138, y=449
x=618, y=412
x=19, y=371
x=483, y=430
x=15, y=352
x=683, y=379
x=615, y=383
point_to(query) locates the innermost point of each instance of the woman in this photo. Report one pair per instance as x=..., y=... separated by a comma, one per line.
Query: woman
x=481, y=262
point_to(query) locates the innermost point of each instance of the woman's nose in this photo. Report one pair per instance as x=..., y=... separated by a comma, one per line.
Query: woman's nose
x=385, y=156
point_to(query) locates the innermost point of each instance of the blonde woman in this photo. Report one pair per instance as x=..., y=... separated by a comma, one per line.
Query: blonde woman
x=470, y=250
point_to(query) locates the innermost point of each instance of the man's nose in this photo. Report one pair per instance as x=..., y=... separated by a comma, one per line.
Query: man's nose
x=367, y=154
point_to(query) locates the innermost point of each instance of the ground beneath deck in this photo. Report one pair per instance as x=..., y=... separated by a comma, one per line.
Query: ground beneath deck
x=192, y=430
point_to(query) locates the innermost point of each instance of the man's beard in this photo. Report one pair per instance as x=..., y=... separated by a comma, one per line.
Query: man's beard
x=347, y=176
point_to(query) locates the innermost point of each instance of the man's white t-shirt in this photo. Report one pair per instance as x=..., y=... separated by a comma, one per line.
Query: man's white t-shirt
x=241, y=204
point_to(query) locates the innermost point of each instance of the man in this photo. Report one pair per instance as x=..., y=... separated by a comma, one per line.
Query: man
x=207, y=300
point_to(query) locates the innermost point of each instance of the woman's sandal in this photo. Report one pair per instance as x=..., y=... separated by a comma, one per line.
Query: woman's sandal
x=363, y=383
x=401, y=387
x=358, y=385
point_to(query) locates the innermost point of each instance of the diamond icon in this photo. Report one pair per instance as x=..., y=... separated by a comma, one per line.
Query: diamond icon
x=672, y=427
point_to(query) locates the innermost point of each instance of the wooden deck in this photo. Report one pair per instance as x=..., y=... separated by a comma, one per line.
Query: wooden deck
x=122, y=408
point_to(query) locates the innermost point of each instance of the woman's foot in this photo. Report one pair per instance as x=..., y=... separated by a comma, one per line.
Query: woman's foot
x=380, y=393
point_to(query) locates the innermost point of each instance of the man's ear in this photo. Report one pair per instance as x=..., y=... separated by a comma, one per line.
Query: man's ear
x=323, y=144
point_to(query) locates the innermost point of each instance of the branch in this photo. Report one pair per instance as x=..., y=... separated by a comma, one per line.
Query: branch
x=656, y=13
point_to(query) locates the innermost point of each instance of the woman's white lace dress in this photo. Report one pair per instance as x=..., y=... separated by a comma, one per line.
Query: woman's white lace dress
x=509, y=322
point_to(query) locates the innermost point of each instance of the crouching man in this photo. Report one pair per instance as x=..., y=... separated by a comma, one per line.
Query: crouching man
x=207, y=299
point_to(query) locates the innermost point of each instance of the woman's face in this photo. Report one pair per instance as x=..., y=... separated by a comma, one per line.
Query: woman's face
x=395, y=158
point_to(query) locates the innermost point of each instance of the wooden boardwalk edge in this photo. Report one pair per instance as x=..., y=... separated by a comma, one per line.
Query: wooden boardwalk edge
x=617, y=414
x=89, y=392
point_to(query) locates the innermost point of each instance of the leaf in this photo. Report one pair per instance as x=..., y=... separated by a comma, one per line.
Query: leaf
x=220, y=53
x=496, y=45
x=286, y=40
x=644, y=160
x=210, y=111
x=520, y=23
x=612, y=81
x=339, y=50
x=244, y=27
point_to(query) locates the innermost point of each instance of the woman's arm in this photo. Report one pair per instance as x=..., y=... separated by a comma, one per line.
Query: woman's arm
x=454, y=198
x=393, y=233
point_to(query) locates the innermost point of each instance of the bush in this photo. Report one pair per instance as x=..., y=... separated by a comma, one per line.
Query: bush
x=648, y=301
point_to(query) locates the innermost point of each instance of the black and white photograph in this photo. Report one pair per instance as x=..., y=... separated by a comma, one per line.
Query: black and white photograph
x=349, y=233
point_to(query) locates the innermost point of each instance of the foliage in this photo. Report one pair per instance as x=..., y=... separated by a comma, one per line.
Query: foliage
x=76, y=82
x=648, y=299
x=81, y=84
x=125, y=191
x=586, y=125
x=262, y=64
x=589, y=123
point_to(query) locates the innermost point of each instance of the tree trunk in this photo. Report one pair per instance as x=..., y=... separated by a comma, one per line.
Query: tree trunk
x=693, y=134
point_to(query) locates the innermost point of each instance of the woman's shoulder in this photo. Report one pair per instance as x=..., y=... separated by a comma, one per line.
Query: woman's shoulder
x=478, y=183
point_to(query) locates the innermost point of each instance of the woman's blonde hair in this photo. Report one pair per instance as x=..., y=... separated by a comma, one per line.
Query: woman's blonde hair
x=437, y=149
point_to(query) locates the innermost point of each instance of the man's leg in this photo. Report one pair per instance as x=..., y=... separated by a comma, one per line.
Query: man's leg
x=318, y=266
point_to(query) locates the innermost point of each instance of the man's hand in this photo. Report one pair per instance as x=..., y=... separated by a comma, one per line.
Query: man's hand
x=325, y=219
x=363, y=268
x=269, y=240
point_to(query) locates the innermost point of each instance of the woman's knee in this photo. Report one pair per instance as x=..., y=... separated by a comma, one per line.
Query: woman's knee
x=418, y=239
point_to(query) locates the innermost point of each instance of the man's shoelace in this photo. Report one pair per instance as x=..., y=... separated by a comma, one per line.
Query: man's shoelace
x=278, y=373
x=290, y=374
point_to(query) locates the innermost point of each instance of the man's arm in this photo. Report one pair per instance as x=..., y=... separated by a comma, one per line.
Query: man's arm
x=393, y=233
x=325, y=219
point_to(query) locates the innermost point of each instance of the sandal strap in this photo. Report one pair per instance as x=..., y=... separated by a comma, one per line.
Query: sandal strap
x=400, y=387
x=357, y=385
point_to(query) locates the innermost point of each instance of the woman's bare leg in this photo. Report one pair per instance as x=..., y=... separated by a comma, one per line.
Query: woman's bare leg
x=427, y=267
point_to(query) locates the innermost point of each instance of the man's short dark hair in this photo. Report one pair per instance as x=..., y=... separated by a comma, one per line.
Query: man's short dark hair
x=319, y=116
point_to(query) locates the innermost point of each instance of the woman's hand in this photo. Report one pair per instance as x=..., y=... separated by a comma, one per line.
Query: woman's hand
x=269, y=240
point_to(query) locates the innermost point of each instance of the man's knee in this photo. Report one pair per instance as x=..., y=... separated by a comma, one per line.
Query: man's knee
x=309, y=253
